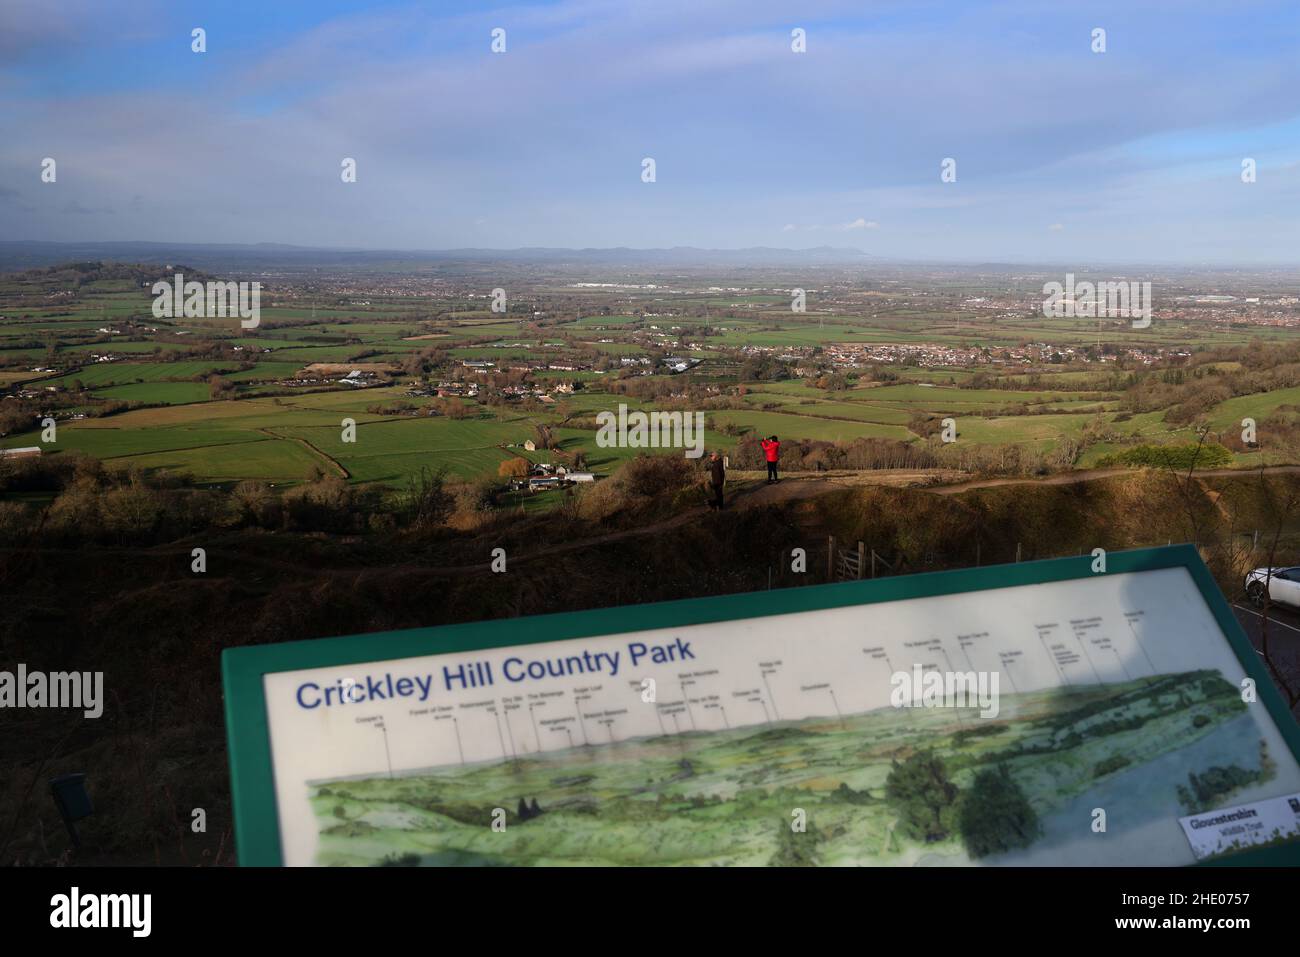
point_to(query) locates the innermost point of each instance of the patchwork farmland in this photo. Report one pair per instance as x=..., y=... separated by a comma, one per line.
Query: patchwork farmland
x=431, y=382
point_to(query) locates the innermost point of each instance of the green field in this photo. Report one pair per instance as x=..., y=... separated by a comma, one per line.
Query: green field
x=1228, y=414
x=113, y=316
x=790, y=427
x=271, y=461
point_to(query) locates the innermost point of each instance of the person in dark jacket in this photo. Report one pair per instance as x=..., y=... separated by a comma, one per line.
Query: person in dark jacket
x=717, y=477
x=772, y=451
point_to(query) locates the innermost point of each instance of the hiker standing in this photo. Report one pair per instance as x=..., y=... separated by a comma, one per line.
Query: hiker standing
x=717, y=476
x=772, y=449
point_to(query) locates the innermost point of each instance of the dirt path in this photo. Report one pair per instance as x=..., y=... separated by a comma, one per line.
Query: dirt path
x=797, y=485
x=751, y=488
x=1091, y=475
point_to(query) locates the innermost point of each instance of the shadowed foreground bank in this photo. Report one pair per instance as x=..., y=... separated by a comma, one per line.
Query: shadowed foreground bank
x=156, y=629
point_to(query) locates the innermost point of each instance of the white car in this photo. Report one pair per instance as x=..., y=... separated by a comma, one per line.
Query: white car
x=1283, y=586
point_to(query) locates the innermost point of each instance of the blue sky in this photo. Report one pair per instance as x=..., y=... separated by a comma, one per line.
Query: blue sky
x=1062, y=154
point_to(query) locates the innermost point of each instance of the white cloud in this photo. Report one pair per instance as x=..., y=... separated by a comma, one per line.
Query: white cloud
x=861, y=223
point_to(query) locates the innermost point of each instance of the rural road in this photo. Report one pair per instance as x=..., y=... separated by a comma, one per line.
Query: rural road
x=1283, y=638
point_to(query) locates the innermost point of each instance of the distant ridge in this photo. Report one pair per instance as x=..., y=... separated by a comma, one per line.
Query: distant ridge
x=26, y=255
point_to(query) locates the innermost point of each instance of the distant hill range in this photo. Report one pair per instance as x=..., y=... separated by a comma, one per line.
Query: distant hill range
x=26, y=255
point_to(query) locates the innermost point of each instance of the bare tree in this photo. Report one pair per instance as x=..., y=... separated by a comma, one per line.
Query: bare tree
x=1282, y=507
x=427, y=501
x=1190, y=491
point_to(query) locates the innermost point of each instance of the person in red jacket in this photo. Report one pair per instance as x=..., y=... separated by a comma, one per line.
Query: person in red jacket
x=772, y=449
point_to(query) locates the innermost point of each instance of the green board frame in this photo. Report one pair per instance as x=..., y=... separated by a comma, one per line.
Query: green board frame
x=257, y=830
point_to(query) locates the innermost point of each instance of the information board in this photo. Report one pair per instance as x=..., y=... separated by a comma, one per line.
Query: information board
x=1028, y=714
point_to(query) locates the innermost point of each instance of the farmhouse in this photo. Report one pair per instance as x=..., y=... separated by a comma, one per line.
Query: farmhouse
x=676, y=364
x=359, y=378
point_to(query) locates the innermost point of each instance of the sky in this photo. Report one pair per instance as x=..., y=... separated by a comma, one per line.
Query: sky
x=1062, y=154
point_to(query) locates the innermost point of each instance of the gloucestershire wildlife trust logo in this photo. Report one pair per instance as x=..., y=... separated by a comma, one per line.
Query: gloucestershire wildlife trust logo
x=919, y=688
x=212, y=300
x=1103, y=300
x=656, y=430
